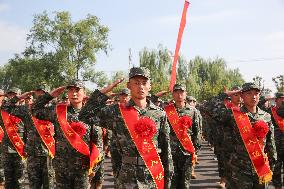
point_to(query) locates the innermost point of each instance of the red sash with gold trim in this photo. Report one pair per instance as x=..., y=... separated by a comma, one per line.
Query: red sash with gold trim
x=180, y=130
x=44, y=129
x=253, y=147
x=74, y=139
x=144, y=144
x=11, y=130
x=1, y=134
x=279, y=120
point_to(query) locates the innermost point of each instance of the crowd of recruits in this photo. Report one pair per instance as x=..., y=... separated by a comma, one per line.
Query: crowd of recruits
x=71, y=167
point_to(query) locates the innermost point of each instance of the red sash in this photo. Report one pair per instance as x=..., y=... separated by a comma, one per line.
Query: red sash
x=74, y=139
x=1, y=134
x=44, y=129
x=181, y=134
x=279, y=120
x=144, y=145
x=253, y=147
x=11, y=130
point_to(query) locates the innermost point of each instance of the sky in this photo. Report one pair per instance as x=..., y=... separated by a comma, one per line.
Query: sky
x=249, y=35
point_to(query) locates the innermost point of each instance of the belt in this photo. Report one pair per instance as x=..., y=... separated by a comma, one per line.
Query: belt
x=132, y=160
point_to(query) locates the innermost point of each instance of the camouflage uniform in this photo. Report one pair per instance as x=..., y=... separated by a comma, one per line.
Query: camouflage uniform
x=71, y=167
x=182, y=160
x=39, y=164
x=243, y=175
x=133, y=173
x=13, y=164
x=1, y=164
x=279, y=142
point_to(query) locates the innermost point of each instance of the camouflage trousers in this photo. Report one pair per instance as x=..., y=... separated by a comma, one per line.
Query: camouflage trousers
x=182, y=170
x=71, y=173
x=115, y=159
x=40, y=172
x=221, y=165
x=99, y=174
x=14, y=168
x=279, y=166
x=1, y=169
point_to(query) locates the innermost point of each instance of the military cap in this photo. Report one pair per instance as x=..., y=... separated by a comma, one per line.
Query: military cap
x=249, y=86
x=236, y=88
x=190, y=98
x=279, y=95
x=124, y=91
x=43, y=86
x=139, y=71
x=223, y=96
x=14, y=90
x=179, y=87
x=76, y=83
x=262, y=99
x=2, y=93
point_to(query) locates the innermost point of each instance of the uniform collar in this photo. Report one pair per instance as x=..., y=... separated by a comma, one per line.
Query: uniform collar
x=150, y=105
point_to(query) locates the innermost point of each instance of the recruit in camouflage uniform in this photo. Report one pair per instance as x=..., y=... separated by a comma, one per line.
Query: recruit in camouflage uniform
x=71, y=167
x=133, y=173
x=39, y=163
x=243, y=172
x=182, y=159
x=13, y=163
x=279, y=141
x=2, y=96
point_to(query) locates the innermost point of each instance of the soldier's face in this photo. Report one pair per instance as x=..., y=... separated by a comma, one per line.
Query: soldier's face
x=179, y=95
x=251, y=97
x=139, y=87
x=236, y=98
x=123, y=98
x=76, y=95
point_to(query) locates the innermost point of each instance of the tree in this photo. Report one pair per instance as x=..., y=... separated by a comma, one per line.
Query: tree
x=279, y=82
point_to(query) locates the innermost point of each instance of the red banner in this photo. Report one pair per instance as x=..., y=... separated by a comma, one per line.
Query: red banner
x=178, y=44
x=75, y=139
x=45, y=130
x=11, y=130
x=279, y=120
x=180, y=130
x=1, y=134
x=144, y=142
x=253, y=146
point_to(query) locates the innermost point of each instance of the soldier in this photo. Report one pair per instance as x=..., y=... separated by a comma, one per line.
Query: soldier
x=77, y=149
x=2, y=96
x=39, y=154
x=184, y=136
x=251, y=132
x=13, y=145
x=278, y=122
x=141, y=130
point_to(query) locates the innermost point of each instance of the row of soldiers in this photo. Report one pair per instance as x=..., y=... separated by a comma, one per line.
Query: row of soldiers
x=152, y=146
x=245, y=131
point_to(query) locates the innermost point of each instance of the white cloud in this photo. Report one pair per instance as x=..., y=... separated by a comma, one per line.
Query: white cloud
x=4, y=7
x=12, y=38
x=213, y=17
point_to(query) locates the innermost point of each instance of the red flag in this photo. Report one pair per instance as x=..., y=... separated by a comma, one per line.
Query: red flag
x=181, y=28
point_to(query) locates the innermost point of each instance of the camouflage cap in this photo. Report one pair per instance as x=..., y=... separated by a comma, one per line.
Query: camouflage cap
x=43, y=86
x=139, y=71
x=76, y=83
x=279, y=95
x=236, y=88
x=179, y=87
x=190, y=98
x=124, y=91
x=249, y=86
x=2, y=92
x=14, y=90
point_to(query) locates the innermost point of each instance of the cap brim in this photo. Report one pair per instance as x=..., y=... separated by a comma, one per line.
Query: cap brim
x=140, y=75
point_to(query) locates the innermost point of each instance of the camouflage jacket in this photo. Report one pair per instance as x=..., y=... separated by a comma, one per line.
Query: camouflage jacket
x=96, y=112
x=34, y=144
x=279, y=136
x=6, y=144
x=63, y=148
x=234, y=145
x=193, y=131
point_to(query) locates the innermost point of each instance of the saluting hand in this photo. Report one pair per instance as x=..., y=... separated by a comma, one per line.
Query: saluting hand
x=161, y=93
x=111, y=86
x=56, y=92
x=25, y=95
